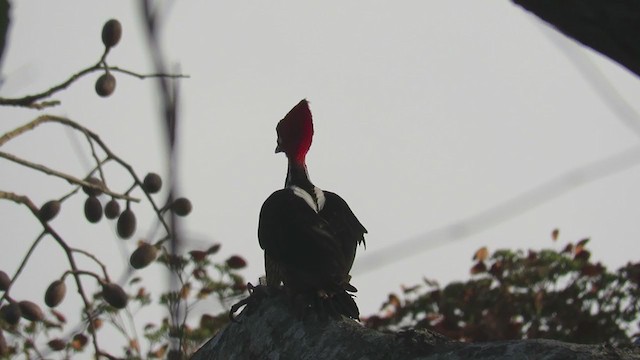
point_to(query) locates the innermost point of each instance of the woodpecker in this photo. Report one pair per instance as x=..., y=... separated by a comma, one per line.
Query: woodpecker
x=309, y=236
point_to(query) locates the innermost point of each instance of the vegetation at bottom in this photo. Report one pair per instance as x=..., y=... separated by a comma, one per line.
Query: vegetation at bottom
x=517, y=294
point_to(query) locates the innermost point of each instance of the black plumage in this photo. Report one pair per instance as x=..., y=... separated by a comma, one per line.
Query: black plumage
x=309, y=236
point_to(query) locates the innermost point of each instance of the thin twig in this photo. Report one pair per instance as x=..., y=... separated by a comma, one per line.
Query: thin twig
x=94, y=258
x=4, y=195
x=84, y=272
x=147, y=76
x=69, y=178
x=24, y=200
x=110, y=155
x=169, y=100
x=95, y=157
x=30, y=100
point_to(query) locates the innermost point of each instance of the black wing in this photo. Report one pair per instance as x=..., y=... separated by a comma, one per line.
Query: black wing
x=309, y=254
x=346, y=227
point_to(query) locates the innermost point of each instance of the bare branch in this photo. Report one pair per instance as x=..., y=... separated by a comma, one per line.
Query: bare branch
x=147, y=76
x=94, y=258
x=93, y=136
x=24, y=200
x=30, y=100
x=69, y=178
x=11, y=197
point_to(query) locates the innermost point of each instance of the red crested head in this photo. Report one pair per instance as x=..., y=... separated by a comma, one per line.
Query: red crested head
x=295, y=132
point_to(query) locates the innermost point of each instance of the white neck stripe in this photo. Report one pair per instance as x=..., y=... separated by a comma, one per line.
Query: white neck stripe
x=301, y=193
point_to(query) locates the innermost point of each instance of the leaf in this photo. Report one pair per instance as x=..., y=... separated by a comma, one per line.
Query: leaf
x=394, y=300
x=213, y=249
x=581, y=245
x=497, y=269
x=478, y=268
x=409, y=289
x=481, y=254
x=431, y=282
x=185, y=291
x=96, y=324
x=133, y=343
x=592, y=270
x=59, y=316
x=198, y=255
x=79, y=341
x=582, y=255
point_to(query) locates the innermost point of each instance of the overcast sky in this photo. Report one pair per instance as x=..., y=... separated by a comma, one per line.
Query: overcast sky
x=427, y=114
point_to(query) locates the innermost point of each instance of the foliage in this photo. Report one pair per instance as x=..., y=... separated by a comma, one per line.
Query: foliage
x=27, y=330
x=550, y=294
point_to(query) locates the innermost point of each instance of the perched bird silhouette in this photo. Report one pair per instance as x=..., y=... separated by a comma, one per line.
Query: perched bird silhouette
x=309, y=236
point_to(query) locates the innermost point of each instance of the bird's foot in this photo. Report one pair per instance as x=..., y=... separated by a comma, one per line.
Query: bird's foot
x=256, y=293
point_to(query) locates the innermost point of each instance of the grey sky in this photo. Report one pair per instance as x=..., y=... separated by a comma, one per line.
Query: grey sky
x=425, y=113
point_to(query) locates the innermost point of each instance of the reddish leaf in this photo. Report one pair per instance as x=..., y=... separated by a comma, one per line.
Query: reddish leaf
x=198, y=255
x=580, y=246
x=582, y=255
x=79, y=341
x=478, y=268
x=481, y=254
x=394, y=300
x=185, y=291
x=592, y=270
x=133, y=344
x=236, y=262
x=59, y=316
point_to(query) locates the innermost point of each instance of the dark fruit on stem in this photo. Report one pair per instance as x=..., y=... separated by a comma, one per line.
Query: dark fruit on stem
x=5, y=281
x=111, y=33
x=112, y=209
x=55, y=293
x=181, y=207
x=57, y=344
x=92, y=191
x=11, y=313
x=144, y=255
x=114, y=295
x=93, y=209
x=152, y=183
x=126, y=224
x=49, y=210
x=31, y=311
x=105, y=85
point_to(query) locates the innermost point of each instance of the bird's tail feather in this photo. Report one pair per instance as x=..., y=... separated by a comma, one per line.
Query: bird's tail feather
x=343, y=302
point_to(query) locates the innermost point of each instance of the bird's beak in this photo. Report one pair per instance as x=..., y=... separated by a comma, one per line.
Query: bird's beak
x=278, y=148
